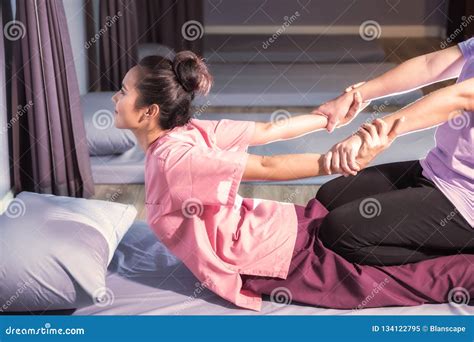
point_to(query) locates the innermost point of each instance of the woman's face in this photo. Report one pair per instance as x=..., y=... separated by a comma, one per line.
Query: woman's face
x=126, y=115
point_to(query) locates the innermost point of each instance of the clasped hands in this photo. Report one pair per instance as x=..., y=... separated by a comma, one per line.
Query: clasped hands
x=358, y=150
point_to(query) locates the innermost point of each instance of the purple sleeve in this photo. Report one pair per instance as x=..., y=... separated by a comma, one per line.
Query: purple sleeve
x=467, y=47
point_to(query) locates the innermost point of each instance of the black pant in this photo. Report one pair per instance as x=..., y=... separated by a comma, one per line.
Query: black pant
x=390, y=215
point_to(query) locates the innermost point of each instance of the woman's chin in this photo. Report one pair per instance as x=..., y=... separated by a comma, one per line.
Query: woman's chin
x=118, y=124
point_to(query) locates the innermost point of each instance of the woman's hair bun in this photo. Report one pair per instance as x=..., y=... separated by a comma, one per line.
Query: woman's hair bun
x=192, y=73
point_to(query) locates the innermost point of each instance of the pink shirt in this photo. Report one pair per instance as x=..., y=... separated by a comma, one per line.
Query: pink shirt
x=450, y=163
x=192, y=175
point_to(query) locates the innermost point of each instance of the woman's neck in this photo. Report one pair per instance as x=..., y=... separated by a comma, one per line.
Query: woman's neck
x=146, y=138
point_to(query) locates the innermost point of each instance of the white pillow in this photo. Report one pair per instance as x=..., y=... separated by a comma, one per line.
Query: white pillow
x=54, y=250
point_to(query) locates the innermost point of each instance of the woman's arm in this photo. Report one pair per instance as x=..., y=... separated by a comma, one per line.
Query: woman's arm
x=296, y=166
x=283, y=167
x=296, y=126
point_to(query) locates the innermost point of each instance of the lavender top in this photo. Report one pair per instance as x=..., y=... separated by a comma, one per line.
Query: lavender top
x=450, y=163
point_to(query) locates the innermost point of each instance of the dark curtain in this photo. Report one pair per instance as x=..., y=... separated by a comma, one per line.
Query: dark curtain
x=460, y=19
x=49, y=147
x=175, y=23
x=112, y=47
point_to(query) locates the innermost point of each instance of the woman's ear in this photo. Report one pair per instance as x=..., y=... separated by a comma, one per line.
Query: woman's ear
x=153, y=111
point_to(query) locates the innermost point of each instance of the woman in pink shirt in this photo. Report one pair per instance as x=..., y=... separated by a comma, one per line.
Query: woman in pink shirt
x=241, y=248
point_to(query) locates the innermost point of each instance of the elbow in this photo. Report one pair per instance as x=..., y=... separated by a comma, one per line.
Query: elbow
x=467, y=95
x=265, y=162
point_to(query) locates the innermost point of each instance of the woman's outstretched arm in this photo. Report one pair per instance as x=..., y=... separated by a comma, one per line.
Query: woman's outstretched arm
x=296, y=166
x=286, y=127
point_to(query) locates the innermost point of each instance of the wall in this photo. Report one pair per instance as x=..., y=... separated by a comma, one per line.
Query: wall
x=427, y=17
x=75, y=15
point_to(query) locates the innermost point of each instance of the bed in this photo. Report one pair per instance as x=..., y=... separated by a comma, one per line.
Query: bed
x=145, y=279
x=129, y=166
x=295, y=48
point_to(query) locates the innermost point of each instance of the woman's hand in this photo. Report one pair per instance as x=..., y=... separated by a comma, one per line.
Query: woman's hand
x=356, y=152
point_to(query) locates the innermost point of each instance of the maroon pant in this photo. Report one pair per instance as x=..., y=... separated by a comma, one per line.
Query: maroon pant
x=320, y=277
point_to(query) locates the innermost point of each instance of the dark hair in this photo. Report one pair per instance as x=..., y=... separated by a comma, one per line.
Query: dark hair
x=172, y=85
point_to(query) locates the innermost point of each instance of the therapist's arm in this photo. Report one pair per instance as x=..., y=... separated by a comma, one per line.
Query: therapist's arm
x=412, y=74
x=436, y=107
x=433, y=109
x=415, y=73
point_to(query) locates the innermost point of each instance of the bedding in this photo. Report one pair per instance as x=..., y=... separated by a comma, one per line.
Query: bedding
x=144, y=278
x=56, y=249
x=102, y=136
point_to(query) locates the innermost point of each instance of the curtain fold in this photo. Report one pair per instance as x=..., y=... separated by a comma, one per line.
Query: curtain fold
x=5, y=74
x=112, y=48
x=460, y=22
x=49, y=146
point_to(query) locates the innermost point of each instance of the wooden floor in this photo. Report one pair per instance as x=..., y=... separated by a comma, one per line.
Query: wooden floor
x=396, y=50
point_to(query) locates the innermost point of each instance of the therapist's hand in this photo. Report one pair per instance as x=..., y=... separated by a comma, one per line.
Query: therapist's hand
x=356, y=152
x=342, y=109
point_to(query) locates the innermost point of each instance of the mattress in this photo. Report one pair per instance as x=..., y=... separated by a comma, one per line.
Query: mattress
x=144, y=278
x=295, y=48
x=129, y=167
x=247, y=84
